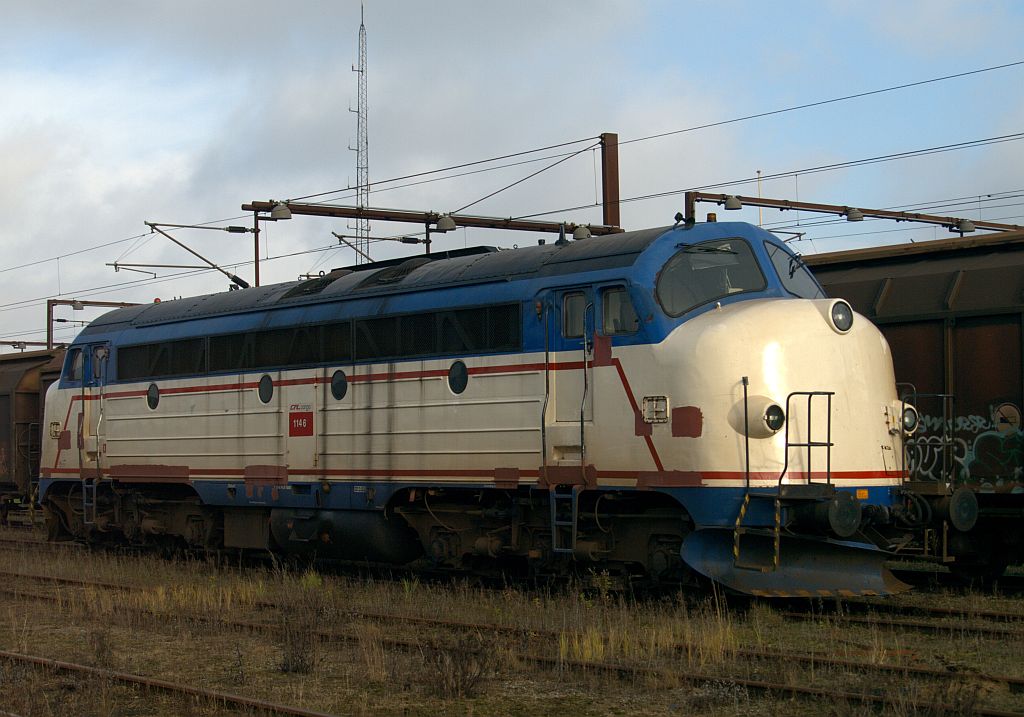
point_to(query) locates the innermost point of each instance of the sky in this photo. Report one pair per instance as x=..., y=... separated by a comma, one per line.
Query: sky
x=118, y=112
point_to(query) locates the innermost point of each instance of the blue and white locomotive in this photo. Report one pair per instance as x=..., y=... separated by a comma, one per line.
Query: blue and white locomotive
x=655, y=403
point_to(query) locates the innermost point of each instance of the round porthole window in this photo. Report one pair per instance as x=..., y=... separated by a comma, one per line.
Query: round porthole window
x=266, y=389
x=458, y=377
x=153, y=396
x=339, y=385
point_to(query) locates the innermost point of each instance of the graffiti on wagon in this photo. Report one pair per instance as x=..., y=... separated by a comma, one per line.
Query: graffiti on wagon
x=987, y=452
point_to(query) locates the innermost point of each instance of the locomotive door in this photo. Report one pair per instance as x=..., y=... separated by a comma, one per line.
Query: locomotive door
x=90, y=426
x=570, y=381
x=301, y=404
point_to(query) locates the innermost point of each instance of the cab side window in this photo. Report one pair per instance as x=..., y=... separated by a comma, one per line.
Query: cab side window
x=573, y=308
x=99, y=358
x=73, y=366
x=617, y=313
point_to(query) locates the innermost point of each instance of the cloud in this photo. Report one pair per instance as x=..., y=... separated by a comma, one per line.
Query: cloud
x=117, y=111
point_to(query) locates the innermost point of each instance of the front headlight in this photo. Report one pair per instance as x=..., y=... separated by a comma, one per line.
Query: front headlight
x=774, y=418
x=910, y=419
x=842, y=316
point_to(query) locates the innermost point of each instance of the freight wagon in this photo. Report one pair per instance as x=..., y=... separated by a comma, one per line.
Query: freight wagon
x=952, y=312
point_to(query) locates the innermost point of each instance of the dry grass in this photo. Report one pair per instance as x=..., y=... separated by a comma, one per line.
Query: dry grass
x=156, y=630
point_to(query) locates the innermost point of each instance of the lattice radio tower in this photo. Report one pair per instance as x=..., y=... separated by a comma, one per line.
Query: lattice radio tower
x=362, y=226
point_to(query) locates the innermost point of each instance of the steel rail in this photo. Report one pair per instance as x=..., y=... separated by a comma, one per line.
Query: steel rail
x=33, y=544
x=934, y=611
x=987, y=630
x=783, y=688
x=154, y=683
x=927, y=578
x=918, y=625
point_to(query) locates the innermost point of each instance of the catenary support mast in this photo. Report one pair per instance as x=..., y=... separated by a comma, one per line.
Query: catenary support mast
x=362, y=225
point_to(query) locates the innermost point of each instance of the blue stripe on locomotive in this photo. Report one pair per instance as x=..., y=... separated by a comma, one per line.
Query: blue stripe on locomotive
x=707, y=507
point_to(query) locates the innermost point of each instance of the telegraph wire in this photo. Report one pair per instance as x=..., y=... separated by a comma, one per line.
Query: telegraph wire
x=135, y=237
x=36, y=332
x=453, y=167
x=819, y=103
x=890, y=231
x=108, y=288
x=529, y=176
x=72, y=253
x=555, y=146
x=811, y=170
x=972, y=203
x=659, y=135
x=797, y=172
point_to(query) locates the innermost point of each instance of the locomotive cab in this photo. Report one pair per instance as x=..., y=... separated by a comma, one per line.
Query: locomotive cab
x=796, y=392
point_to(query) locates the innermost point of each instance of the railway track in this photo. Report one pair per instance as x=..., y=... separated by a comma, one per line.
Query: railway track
x=892, y=608
x=991, y=631
x=886, y=615
x=1007, y=584
x=811, y=660
x=152, y=683
x=561, y=663
x=813, y=613
x=937, y=579
x=849, y=611
x=23, y=540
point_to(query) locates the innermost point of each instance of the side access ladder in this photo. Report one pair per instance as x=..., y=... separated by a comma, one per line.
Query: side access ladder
x=565, y=504
x=759, y=554
x=89, y=501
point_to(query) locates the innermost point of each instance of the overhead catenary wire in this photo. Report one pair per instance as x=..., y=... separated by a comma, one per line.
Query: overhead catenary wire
x=830, y=221
x=809, y=170
x=134, y=237
x=567, y=155
x=463, y=165
x=820, y=103
x=57, y=329
x=109, y=288
x=378, y=188
x=973, y=204
x=523, y=179
x=797, y=172
x=971, y=201
x=888, y=231
x=659, y=135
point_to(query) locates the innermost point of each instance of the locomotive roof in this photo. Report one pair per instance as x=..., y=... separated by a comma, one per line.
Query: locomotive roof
x=477, y=265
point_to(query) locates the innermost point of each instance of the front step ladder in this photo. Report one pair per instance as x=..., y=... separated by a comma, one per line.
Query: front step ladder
x=756, y=560
x=565, y=503
x=89, y=501
x=761, y=559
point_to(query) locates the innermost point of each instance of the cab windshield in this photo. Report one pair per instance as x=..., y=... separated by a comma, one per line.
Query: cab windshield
x=793, y=273
x=704, y=272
